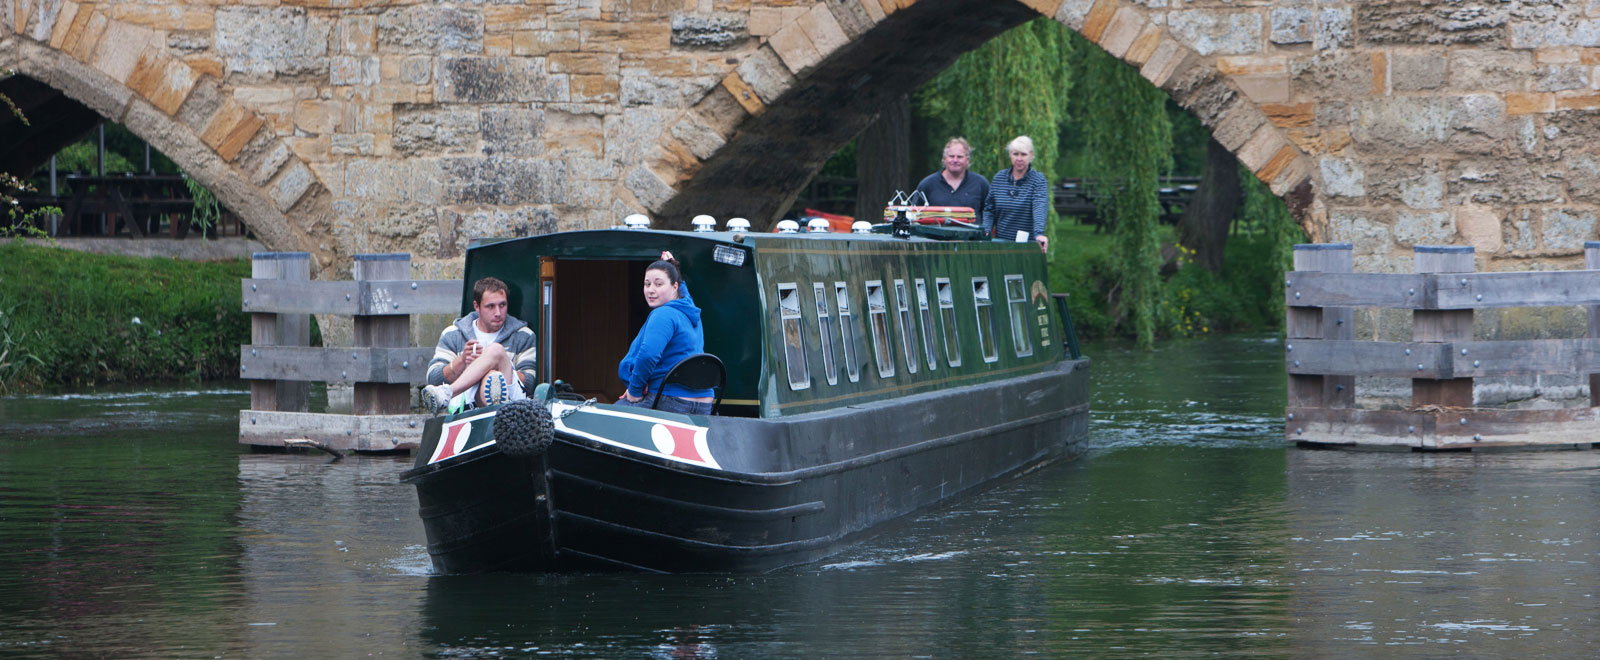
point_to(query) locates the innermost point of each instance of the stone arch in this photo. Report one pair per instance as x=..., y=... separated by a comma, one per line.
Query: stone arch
x=123, y=72
x=750, y=145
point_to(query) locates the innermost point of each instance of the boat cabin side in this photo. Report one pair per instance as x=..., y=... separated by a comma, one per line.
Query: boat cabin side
x=801, y=322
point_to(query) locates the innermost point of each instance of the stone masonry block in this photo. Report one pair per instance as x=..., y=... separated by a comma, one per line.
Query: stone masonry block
x=503, y=181
x=1422, y=22
x=795, y=49
x=120, y=48
x=164, y=82
x=351, y=70
x=1411, y=71
x=719, y=31
x=1566, y=228
x=765, y=74
x=1214, y=32
x=63, y=23
x=430, y=30
x=1261, y=147
x=513, y=131
x=650, y=190
x=1480, y=227
x=826, y=36
x=358, y=35
x=1097, y=18
x=291, y=185
x=496, y=80
x=1144, y=45
x=1125, y=26
x=272, y=41
x=1490, y=70
x=1291, y=25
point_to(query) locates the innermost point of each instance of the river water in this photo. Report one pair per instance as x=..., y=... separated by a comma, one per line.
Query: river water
x=133, y=525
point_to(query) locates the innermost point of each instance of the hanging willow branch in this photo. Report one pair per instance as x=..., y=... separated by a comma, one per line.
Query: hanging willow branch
x=1130, y=146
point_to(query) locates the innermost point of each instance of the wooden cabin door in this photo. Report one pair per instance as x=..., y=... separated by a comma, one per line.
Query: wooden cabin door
x=595, y=316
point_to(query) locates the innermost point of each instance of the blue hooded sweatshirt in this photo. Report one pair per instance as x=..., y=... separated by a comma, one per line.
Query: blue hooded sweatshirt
x=671, y=333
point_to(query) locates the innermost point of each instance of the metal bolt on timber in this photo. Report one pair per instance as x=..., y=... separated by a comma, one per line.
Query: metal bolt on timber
x=1475, y=363
x=1463, y=421
x=1463, y=351
x=413, y=286
x=1408, y=351
x=1411, y=429
x=1476, y=438
x=252, y=287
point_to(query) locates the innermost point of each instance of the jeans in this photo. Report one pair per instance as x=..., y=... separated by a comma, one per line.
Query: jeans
x=671, y=404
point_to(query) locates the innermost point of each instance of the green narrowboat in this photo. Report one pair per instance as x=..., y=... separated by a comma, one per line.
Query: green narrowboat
x=867, y=377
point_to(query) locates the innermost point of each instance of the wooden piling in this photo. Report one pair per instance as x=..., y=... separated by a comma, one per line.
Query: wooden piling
x=1591, y=261
x=1330, y=323
x=382, y=366
x=279, y=329
x=1442, y=326
x=385, y=331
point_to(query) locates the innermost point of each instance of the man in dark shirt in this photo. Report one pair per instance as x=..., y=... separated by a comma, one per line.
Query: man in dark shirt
x=954, y=185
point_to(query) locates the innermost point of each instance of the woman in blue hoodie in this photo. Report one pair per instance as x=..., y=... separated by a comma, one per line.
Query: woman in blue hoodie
x=671, y=333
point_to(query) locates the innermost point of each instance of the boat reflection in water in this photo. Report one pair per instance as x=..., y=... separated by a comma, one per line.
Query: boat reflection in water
x=867, y=377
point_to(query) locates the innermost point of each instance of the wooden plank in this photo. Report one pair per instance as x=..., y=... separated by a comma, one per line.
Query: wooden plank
x=373, y=398
x=1444, y=429
x=1431, y=325
x=1386, y=290
x=410, y=297
x=1525, y=357
x=342, y=432
x=1316, y=389
x=1524, y=289
x=406, y=366
x=388, y=297
x=263, y=295
x=284, y=269
x=1368, y=358
x=1591, y=261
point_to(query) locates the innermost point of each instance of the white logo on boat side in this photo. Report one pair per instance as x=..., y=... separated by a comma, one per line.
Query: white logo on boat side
x=677, y=441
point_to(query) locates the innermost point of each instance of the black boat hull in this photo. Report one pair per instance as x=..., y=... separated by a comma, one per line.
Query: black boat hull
x=785, y=491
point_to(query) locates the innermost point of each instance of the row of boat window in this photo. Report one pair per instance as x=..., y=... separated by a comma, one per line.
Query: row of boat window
x=837, y=306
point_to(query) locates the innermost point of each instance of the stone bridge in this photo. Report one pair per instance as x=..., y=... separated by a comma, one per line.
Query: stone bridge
x=348, y=126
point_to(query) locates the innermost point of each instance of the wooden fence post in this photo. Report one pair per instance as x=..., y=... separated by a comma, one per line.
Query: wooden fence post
x=1591, y=261
x=385, y=331
x=1318, y=391
x=280, y=330
x=1442, y=326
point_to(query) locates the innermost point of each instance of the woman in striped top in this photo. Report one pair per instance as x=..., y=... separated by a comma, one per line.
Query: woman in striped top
x=1019, y=198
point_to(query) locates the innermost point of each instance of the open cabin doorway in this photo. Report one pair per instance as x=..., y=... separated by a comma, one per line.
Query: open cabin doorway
x=591, y=314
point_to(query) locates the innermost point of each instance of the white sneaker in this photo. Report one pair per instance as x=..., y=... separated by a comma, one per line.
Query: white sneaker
x=436, y=398
x=494, y=389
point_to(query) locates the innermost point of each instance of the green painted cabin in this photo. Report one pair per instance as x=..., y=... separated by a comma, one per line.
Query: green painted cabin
x=802, y=322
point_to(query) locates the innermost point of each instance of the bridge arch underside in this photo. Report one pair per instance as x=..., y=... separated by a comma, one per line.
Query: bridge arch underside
x=220, y=144
x=791, y=133
x=760, y=172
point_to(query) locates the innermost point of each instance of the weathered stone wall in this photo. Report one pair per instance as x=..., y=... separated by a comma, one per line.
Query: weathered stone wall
x=347, y=126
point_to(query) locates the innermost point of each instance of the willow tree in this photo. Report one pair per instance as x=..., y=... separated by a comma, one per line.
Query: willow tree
x=1016, y=84
x=1130, y=141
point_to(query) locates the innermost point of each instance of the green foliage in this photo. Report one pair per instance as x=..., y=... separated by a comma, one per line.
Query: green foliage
x=1017, y=84
x=206, y=210
x=80, y=157
x=1129, y=145
x=74, y=318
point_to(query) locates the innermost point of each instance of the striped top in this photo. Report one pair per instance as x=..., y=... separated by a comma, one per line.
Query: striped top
x=1016, y=206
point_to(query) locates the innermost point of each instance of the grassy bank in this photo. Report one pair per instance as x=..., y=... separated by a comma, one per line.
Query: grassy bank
x=74, y=319
x=1244, y=296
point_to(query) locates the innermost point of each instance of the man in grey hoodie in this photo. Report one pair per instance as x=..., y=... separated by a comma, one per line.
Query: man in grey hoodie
x=488, y=353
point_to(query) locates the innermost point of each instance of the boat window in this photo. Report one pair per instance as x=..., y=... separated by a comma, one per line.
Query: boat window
x=927, y=324
x=847, y=332
x=1016, y=305
x=825, y=333
x=878, y=318
x=980, y=298
x=947, y=314
x=794, y=345
x=908, y=328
